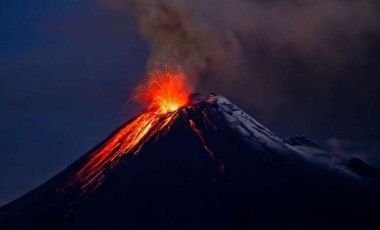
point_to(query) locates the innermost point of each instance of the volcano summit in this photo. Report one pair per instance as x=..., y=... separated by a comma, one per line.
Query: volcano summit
x=207, y=165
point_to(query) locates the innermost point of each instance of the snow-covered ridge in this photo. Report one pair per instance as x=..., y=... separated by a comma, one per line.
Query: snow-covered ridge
x=255, y=133
x=247, y=126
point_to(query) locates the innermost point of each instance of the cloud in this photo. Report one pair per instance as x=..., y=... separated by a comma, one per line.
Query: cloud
x=365, y=150
x=289, y=57
x=208, y=36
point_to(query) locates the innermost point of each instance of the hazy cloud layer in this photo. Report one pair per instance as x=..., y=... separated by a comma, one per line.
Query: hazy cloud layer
x=365, y=150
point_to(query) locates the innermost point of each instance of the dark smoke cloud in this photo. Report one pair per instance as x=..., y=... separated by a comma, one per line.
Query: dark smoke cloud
x=207, y=36
x=272, y=56
x=186, y=33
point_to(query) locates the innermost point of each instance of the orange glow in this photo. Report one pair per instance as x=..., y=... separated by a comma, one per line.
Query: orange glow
x=163, y=93
x=199, y=134
x=128, y=140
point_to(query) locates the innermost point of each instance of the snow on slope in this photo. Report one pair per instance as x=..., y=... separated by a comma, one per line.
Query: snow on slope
x=255, y=133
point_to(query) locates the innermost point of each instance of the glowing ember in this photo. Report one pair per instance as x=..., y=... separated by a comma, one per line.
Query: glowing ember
x=199, y=134
x=163, y=93
x=127, y=140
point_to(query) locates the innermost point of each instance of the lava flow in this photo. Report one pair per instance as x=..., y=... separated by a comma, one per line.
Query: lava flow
x=163, y=93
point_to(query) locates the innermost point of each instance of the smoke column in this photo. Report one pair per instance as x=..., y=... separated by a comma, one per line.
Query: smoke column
x=265, y=54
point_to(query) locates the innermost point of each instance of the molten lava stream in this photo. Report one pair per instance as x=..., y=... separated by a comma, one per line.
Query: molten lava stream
x=127, y=140
x=164, y=92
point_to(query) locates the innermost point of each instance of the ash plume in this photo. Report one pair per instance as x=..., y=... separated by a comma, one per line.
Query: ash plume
x=184, y=33
x=208, y=36
x=265, y=54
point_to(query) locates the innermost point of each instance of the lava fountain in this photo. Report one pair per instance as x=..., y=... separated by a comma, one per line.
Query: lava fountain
x=163, y=93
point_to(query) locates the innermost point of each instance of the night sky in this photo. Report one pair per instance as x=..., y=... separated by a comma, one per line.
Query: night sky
x=68, y=67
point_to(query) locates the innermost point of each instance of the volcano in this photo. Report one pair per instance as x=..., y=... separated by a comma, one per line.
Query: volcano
x=207, y=165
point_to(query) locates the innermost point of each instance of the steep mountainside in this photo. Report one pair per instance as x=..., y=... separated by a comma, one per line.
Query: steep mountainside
x=215, y=167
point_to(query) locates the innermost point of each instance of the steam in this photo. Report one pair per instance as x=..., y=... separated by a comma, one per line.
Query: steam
x=180, y=32
x=262, y=53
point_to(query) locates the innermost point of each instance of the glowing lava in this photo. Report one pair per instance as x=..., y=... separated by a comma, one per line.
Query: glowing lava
x=163, y=93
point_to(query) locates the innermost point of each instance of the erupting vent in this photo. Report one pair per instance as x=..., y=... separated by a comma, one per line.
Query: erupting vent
x=164, y=93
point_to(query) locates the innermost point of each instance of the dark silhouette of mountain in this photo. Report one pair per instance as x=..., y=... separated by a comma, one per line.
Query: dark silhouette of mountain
x=252, y=179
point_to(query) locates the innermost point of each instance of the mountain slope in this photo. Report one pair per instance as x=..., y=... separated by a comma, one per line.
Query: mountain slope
x=216, y=167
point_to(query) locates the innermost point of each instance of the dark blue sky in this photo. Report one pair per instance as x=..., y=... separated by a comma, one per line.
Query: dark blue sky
x=67, y=69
